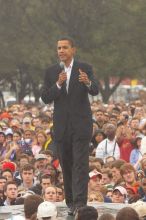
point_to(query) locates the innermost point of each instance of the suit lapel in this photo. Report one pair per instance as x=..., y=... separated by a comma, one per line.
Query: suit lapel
x=74, y=76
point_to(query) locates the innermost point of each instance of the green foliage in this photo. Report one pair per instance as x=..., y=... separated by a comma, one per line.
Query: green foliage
x=110, y=34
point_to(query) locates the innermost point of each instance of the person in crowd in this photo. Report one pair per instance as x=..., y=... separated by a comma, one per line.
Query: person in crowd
x=107, y=177
x=124, y=139
x=106, y=216
x=10, y=192
x=2, y=145
x=86, y=213
x=3, y=181
x=45, y=181
x=96, y=139
x=140, y=208
x=8, y=174
x=94, y=184
x=47, y=210
x=99, y=118
x=31, y=204
x=136, y=154
x=95, y=197
x=116, y=172
x=109, y=146
x=68, y=85
x=27, y=176
x=119, y=195
x=127, y=213
x=50, y=194
x=128, y=174
x=59, y=194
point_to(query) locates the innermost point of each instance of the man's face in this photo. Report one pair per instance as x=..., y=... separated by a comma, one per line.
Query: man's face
x=94, y=184
x=45, y=183
x=27, y=176
x=99, y=116
x=65, y=51
x=116, y=174
x=11, y=192
x=135, y=123
x=105, y=179
x=2, y=183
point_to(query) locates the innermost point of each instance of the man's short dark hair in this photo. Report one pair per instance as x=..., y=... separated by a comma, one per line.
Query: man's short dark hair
x=86, y=213
x=9, y=183
x=27, y=167
x=71, y=41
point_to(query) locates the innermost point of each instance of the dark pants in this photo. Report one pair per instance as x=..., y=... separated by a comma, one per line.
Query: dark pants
x=73, y=153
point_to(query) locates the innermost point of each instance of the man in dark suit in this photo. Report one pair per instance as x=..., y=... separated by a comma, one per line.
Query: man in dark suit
x=72, y=119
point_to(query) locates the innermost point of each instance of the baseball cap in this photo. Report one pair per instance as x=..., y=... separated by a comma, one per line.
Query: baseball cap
x=9, y=131
x=26, y=120
x=40, y=157
x=9, y=166
x=95, y=173
x=47, y=209
x=140, y=208
x=121, y=189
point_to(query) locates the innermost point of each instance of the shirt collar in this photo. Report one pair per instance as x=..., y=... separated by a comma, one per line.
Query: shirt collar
x=70, y=65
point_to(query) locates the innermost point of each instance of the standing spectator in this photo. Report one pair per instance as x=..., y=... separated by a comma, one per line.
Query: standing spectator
x=11, y=192
x=109, y=146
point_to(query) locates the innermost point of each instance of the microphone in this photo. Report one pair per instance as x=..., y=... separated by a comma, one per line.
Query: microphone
x=62, y=65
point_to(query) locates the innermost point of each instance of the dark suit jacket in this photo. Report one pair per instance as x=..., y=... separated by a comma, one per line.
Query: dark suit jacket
x=73, y=106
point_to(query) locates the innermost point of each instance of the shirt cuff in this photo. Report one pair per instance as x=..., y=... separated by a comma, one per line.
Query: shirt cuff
x=89, y=85
x=59, y=87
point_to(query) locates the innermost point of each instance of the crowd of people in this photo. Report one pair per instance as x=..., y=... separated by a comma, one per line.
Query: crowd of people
x=117, y=164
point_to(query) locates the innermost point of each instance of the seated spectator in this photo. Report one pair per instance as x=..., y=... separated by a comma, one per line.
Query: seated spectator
x=128, y=173
x=127, y=213
x=140, y=208
x=47, y=210
x=106, y=216
x=116, y=173
x=10, y=192
x=31, y=204
x=59, y=194
x=95, y=197
x=86, y=213
x=109, y=146
x=136, y=154
x=50, y=194
x=7, y=174
x=94, y=184
x=119, y=194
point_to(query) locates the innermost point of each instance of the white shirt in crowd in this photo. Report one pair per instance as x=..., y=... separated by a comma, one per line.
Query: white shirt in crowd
x=108, y=148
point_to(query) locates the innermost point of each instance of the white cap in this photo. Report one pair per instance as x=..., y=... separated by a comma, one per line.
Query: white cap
x=40, y=157
x=121, y=189
x=47, y=209
x=140, y=208
x=95, y=173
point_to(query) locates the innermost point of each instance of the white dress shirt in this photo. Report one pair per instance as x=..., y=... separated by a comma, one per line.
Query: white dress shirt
x=68, y=72
x=107, y=148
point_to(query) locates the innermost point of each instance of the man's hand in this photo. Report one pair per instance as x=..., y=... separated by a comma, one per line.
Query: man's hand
x=83, y=77
x=62, y=78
